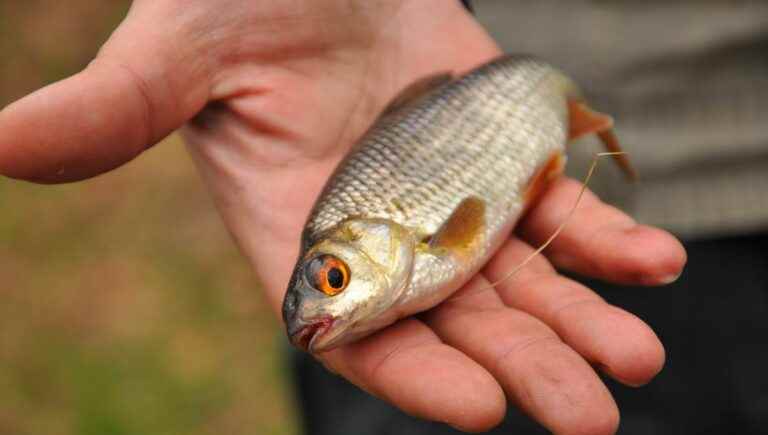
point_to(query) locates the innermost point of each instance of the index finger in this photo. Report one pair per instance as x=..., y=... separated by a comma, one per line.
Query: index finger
x=407, y=365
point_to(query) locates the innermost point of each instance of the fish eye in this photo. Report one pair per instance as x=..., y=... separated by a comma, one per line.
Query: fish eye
x=327, y=274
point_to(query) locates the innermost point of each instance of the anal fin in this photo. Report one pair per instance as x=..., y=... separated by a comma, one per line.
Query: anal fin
x=540, y=180
x=584, y=121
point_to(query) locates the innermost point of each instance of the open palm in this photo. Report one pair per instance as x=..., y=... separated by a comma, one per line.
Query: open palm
x=272, y=94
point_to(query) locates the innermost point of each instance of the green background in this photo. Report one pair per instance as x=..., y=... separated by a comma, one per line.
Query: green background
x=124, y=306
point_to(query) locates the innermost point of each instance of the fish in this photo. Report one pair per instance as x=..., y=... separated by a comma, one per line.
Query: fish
x=424, y=199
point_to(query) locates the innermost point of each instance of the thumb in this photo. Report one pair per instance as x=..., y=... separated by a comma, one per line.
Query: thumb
x=145, y=82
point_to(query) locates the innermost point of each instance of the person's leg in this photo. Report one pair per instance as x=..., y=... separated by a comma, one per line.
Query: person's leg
x=714, y=324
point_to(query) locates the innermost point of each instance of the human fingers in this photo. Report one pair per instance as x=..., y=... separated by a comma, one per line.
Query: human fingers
x=614, y=340
x=145, y=82
x=601, y=241
x=542, y=375
x=407, y=365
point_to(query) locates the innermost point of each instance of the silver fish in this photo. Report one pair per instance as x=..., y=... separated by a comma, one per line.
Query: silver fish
x=425, y=198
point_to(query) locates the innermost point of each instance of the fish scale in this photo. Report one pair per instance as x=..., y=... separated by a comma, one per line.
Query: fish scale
x=480, y=136
x=427, y=195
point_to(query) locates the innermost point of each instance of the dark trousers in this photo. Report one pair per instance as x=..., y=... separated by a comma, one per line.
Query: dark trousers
x=713, y=323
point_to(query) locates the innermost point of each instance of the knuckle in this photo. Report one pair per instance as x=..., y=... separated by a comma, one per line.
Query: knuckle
x=511, y=354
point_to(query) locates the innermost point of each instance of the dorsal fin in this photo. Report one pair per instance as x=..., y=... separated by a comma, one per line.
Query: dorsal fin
x=417, y=89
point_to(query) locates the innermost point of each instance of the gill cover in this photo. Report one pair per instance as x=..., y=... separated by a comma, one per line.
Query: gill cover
x=346, y=281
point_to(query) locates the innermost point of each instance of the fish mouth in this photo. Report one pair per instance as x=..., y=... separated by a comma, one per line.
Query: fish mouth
x=306, y=336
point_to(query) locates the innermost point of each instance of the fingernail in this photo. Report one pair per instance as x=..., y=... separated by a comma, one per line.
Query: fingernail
x=607, y=370
x=669, y=279
x=458, y=428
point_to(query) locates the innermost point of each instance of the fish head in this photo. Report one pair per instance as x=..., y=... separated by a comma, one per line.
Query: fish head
x=344, y=283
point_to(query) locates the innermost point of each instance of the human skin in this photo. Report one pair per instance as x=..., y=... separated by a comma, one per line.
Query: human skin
x=270, y=95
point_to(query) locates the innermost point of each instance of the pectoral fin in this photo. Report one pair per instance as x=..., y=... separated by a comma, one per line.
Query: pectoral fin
x=584, y=121
x=463, y=230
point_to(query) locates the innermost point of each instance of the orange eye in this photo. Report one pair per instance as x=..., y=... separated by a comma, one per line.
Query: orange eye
x=327, y=274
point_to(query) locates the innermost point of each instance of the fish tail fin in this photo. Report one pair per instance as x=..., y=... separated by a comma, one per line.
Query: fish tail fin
x=583, y=121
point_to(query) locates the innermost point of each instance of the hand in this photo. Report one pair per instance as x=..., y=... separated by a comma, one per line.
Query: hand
x=272, y=95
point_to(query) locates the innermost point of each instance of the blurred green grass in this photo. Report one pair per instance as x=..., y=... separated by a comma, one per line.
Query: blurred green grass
x=124, y=306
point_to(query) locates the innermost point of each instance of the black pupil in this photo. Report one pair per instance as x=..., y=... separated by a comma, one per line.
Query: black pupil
x=335, y=278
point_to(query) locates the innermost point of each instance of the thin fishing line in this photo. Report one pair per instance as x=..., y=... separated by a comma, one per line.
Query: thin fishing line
x=593, y=166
